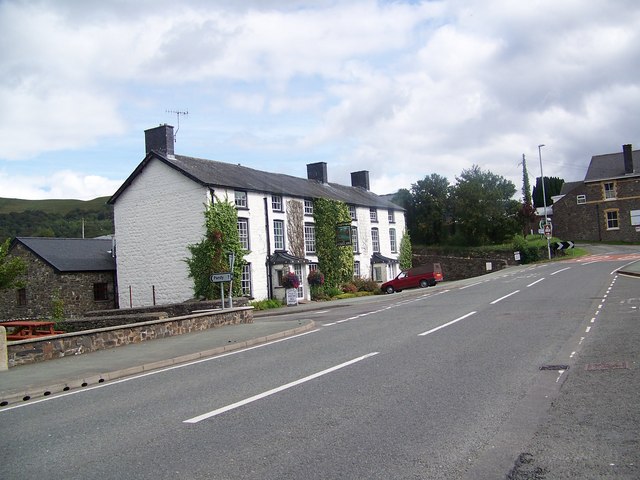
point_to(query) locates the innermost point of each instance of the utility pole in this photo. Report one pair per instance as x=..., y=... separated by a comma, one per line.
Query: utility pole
x=544, y=200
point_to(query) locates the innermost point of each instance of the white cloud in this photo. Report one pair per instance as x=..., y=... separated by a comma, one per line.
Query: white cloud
x=62, y=184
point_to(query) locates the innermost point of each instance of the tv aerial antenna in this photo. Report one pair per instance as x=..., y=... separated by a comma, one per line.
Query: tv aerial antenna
x=177, y=113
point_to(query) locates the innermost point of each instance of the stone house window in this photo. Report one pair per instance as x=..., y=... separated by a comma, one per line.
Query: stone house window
x=100, y=291
x=612, y=219
x=609, y=189
x=356, y=268
x=21, y=297
x=581, y=199
x=373, y=214
x=392, y=240
x=392, y=216
x=353, y=213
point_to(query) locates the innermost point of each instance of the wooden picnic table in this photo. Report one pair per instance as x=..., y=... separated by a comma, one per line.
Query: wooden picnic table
x=24, y=329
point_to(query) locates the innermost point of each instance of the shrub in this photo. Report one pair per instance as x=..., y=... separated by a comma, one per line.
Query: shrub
x=364, y=285
x=266, y=304
x=528, y=253
x=349, y=288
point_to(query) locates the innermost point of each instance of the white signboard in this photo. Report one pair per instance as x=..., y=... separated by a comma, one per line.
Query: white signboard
x=220, y=277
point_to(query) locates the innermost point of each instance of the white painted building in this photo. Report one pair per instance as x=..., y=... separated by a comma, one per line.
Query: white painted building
x=159, y=210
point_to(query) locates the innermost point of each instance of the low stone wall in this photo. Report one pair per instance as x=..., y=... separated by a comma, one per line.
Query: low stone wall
x=23, y=352
x=104, y=321
x=459, y=268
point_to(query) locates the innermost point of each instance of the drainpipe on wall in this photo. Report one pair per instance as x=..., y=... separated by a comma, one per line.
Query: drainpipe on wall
x=268, y=261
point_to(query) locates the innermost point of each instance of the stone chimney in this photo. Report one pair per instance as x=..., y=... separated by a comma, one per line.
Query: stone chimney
x=159, y=139
x=360, y=179
x=317, y=172
x=628, y=158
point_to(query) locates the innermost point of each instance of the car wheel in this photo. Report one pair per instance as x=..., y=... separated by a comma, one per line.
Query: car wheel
x=389, y=289
x=424, y=284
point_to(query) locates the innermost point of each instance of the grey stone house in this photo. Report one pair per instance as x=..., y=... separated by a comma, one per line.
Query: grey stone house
x=605, y=206
x=80, y=272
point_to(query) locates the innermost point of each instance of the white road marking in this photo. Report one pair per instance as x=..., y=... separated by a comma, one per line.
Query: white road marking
x=537, y=281
x=260, y=396
x=446, y=324
x=562, y=270
x=506, y=296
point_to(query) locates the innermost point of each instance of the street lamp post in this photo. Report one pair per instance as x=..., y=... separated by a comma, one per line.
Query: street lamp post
x=544, y=199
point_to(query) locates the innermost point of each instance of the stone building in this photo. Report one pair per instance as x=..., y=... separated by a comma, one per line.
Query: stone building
x=75, y=273
x=159, y=211
x=605, y=206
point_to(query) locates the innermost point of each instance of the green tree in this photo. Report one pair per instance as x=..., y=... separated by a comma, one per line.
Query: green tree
x=430, y=206
x=405, y=257
x=483, y=209
x=552, y=187
x=11, y=268
x=210, y=255
x=335, y=262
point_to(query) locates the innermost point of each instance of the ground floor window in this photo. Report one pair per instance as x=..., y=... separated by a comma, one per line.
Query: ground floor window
x=612, y=220
x=377, y=273
x=22, y=297
x=100, y=291
x=298, y=269
x=246, y=280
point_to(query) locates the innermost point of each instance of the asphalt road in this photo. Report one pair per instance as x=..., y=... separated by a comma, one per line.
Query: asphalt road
x=433, y=383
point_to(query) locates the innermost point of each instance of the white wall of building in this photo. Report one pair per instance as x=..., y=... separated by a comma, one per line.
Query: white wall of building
x=155, y=218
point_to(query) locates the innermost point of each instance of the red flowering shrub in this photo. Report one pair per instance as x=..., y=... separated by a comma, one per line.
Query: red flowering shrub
x=315, y=278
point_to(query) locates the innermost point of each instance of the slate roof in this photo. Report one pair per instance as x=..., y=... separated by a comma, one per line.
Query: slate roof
x=72, y=254
x=568, y=186
x=214, y=174
x=610, y=166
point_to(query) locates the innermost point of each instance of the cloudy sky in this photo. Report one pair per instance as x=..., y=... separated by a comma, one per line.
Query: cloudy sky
x=402, y=89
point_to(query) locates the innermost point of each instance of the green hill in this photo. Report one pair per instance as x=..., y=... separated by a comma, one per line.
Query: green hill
x=55, y=218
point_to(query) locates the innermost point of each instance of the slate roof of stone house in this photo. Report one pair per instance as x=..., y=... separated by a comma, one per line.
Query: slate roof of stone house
x=611, y=166
x=214, y=174
x=568, y=186
x=72, y=254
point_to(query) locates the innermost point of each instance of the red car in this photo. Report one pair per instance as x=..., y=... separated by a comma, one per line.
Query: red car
x=421, y=276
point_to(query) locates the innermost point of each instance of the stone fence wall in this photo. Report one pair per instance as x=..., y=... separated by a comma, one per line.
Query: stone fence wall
x=23, y=352
x=459, y=268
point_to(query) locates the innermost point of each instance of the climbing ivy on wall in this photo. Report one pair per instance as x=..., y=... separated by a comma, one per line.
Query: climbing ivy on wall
x=295, y=229
x=336, y=263
x=210, y=255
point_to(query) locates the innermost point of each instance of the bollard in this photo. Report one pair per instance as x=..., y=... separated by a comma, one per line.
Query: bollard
x=4, y=359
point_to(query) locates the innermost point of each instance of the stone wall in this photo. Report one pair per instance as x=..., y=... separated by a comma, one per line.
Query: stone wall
x=458, y=268
x=44, y=284
x=37, y=350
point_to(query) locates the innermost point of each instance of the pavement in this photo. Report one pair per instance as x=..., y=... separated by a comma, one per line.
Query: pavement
x=28, y=382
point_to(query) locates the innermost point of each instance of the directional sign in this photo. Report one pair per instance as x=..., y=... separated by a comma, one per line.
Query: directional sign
x=563, y=245
x=220, y=277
